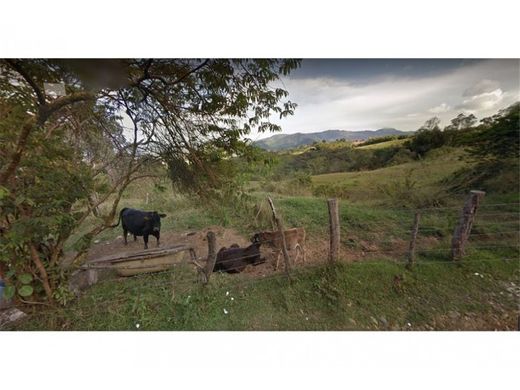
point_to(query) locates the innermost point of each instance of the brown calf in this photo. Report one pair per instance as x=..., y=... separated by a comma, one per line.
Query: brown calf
x=294, y=239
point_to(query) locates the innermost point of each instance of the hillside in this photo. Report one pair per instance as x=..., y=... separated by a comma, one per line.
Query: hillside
x=287, y=141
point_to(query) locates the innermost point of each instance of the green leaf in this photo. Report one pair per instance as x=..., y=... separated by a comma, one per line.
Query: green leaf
x=9, y=292
x=25, y=278
x=3, y=192
x=25, y=291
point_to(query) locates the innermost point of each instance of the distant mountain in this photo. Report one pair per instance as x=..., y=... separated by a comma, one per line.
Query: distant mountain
x=289, y=141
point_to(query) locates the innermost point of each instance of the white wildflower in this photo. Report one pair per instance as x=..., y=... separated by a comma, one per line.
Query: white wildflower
x=225, y=311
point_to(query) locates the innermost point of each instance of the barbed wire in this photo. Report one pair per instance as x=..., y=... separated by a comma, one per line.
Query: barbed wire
x=419, y=209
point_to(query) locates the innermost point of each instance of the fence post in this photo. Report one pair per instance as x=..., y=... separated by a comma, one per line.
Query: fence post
x=279, y=225
x=334, y=230
x=204, y=271
x=463, y=229
x=415, y=230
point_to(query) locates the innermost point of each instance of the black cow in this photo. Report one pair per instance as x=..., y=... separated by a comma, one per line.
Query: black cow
x=140, y=223
x=236, y=259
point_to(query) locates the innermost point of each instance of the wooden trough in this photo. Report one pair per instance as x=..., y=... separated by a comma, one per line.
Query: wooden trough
x=147, y=261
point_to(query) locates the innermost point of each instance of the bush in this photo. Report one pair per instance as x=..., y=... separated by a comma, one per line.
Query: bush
x=407, y=194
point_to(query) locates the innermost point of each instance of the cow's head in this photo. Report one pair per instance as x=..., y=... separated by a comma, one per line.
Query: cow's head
x=154, y=220
x=258, y=238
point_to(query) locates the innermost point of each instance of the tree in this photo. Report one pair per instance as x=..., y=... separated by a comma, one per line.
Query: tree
x=497, y=139
x=193, y=114
x=458, y=131
x=493, y=148
x=462, y=121
x=429, y=136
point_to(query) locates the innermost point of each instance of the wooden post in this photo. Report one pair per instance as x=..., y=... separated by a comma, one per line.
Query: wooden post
x=279, y=225
x=212, y=256
x=334, y=230
x=415, y=230
x=463, y=229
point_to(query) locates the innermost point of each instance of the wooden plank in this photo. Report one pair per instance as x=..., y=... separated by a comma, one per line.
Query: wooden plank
x=141, y=255
x=212, y=256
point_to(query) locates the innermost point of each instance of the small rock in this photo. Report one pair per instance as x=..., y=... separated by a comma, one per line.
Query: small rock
x=10, y=316
x=453, y=315
x=96, y=241
x=82, y=279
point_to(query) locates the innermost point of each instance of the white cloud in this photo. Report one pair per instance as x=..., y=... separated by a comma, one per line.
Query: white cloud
x=443, y=107
x=483, y=101
x=481, y=87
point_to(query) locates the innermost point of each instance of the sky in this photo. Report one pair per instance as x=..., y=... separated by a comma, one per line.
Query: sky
x=368, y=94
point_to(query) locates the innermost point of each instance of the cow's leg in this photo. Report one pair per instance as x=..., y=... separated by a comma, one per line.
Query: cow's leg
x=278, y=253
x=125, y=232
x=299, y=252
x=145, y=241
x=158, y=236
x=135, y=238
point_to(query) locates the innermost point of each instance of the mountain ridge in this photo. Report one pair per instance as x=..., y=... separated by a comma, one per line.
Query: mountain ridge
x=288, y=141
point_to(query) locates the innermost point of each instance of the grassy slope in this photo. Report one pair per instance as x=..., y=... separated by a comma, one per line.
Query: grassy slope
x=364, y=186
x=382, y=145
x=437, y=294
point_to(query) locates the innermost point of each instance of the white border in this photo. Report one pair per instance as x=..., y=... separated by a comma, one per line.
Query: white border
x=268, y=28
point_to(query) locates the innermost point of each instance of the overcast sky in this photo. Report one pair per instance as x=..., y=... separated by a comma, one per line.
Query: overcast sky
x=369, y=94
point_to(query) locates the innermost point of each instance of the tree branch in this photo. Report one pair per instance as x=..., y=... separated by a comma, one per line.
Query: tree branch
x=15, y=65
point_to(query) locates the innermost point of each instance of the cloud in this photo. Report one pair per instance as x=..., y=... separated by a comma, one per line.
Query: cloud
x=483, y=101
x=483, y=86
x=440, y=109
x=395, y=100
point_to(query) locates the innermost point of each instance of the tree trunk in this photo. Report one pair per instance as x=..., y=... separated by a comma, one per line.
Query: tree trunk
x=17, y=155
x=43, y=273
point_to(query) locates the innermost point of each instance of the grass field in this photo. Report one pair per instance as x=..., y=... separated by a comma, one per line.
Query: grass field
x=382, y=145
x=367, y=290
x=422, y=177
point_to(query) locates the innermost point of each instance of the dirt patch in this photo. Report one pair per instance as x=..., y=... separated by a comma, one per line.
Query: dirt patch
x=197, y=239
